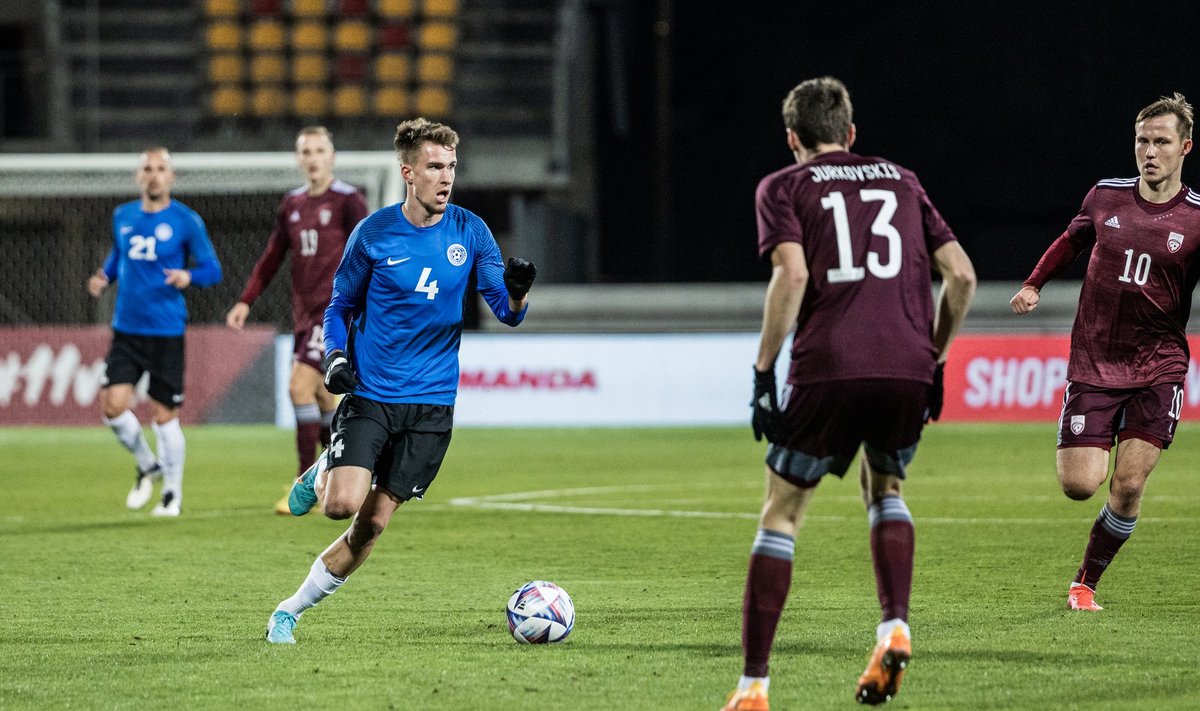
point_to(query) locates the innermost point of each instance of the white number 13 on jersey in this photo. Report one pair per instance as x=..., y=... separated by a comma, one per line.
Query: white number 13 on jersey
x=882, y=227
x=429, y=288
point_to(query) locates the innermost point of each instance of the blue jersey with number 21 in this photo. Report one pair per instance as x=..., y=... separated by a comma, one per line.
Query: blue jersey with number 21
x=402, y=287
x=144, y=245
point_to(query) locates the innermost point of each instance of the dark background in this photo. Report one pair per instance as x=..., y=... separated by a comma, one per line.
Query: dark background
x=1007, y=112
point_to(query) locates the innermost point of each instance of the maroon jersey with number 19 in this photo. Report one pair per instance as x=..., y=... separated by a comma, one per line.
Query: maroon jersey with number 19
x=1137, y=294
x=868, y=230
x=315, y=229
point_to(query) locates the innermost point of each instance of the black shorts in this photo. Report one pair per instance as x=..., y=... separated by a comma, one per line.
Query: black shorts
x=161, y=356
x=825, y=423
x=402, y=444
x=1092, y=416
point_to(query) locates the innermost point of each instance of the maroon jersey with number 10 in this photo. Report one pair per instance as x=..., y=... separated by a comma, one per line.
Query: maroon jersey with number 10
x=868, y=230
x=1137, y=294
x=315, y=229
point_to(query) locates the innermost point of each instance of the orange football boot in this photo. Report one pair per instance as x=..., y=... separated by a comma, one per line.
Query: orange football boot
x=879, y=683
x=1081, y=597
x=753, y=698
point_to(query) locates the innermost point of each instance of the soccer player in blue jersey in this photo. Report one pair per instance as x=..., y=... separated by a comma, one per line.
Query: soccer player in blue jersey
x=400, y=287
x=160, y=248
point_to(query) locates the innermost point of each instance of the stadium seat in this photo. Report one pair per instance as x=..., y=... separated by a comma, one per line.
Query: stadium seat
x=350, y=101
x=354, y=8
x=352, y=36
x=308, y=8
x=440, y=8
x=266, y=8
x=221, y=8
x=437, y=35
x=392, y=68
x=309, y=35
x=223, y=34
x=227, y=100
x=269, y=100
x=391, y=101
x=268, y=68
x=226, y=67
x=309, y=67
x=351, y=68
x=310, y=100
x=266, y=34
x=394, y=35
x=433, y=101
x=395, y=8
x=435, y=68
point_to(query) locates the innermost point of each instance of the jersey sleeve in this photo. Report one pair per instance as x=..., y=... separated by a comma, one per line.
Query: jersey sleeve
x=1080, y=234
x=937, y=232
x=350, y=283
x=207, y=269
x=272, y=257
x=110, y=262
x=776, y=216
x=489, y=273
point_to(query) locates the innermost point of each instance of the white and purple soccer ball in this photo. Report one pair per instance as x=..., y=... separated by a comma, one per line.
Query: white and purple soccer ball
x=540, y=612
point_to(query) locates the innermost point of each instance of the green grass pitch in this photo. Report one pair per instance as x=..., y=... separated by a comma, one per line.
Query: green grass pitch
x=649, y=531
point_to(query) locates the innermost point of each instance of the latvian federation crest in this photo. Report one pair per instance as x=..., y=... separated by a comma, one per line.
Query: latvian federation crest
x=1077, y=423
x=1174, y=242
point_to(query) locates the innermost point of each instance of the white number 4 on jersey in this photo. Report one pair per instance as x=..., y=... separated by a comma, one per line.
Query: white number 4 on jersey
x=429, y=288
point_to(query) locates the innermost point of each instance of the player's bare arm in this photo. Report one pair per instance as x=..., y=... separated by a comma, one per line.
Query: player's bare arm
x=954, y=299
x=1025, y=300
x=236, y=318
x=97, y=283
x=789, y=278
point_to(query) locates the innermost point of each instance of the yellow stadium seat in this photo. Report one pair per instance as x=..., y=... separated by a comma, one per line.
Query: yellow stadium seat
x=308, y=8
x=349, y=100
x=221, y=8
x=266, y=34
x=352, y=36
x=310, y=67
x=226, y=67
x=433, y=101
x=268, y=68
x=395, y=8
x=223, y=34
x=269, y=100
x=309, y=35
x=392, y=67
x=437, y=35
x=310, y=100
x=391, y=101
x=441, y=8
x=228, y=100
x=435, y=68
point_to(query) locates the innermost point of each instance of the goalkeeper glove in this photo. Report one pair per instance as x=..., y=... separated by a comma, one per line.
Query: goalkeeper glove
x=937, y=394
x=339, y=376
x=518, y=277
x=765, y=418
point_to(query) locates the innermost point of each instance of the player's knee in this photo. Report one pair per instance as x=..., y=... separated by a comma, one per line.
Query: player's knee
x=339, y=508
x=1079, y=488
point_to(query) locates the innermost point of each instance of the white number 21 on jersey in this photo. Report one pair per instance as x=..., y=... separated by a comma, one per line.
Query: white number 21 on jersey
x=429, y=288
x=882, y=227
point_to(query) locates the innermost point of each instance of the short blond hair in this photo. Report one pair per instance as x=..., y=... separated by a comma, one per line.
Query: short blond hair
x=1174, y=104
x=412, y=133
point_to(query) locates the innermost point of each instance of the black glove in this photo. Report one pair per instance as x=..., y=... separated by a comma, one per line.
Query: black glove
x=765, y=418
x=518, y=277
x=937, y=394
x=339, y=376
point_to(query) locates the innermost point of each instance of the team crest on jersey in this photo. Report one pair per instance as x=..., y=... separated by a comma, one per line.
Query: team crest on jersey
x=295, y=216
x=1174, y=242
x=457, y=254
x=325, y=215
x=1077, y=423
x=163, y=231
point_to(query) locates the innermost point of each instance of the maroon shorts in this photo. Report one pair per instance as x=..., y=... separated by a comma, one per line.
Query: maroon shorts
x=1092, y=416
x=308, y=346
x=825, y=423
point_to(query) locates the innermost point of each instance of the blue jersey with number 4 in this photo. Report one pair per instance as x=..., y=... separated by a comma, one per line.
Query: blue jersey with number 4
x=144, y=245
x=402, y=287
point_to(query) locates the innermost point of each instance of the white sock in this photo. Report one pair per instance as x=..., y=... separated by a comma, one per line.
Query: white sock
x=885, y=628
x=171, y=450
x=319, y=585
x=745, y=682
x=129, y=433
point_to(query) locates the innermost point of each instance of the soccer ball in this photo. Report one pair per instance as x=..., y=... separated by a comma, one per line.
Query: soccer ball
x=540, y=612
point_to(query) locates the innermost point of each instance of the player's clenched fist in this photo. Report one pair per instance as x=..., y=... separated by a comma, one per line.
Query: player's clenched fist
x=339, y=375
x=1026, y=300
x=518, y=277
x=765, y=417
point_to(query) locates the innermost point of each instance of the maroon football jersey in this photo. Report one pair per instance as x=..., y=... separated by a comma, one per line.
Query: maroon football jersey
x=315, y=229
x=867, y=229
x=1137, y=294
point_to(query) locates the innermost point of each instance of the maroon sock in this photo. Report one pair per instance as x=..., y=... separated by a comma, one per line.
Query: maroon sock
x=892, y=543
x=307, y=435
x=767, y=585
x=1103, y=545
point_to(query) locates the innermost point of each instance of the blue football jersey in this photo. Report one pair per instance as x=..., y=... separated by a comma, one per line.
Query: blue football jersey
x=402, y=287
x=145, y=244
